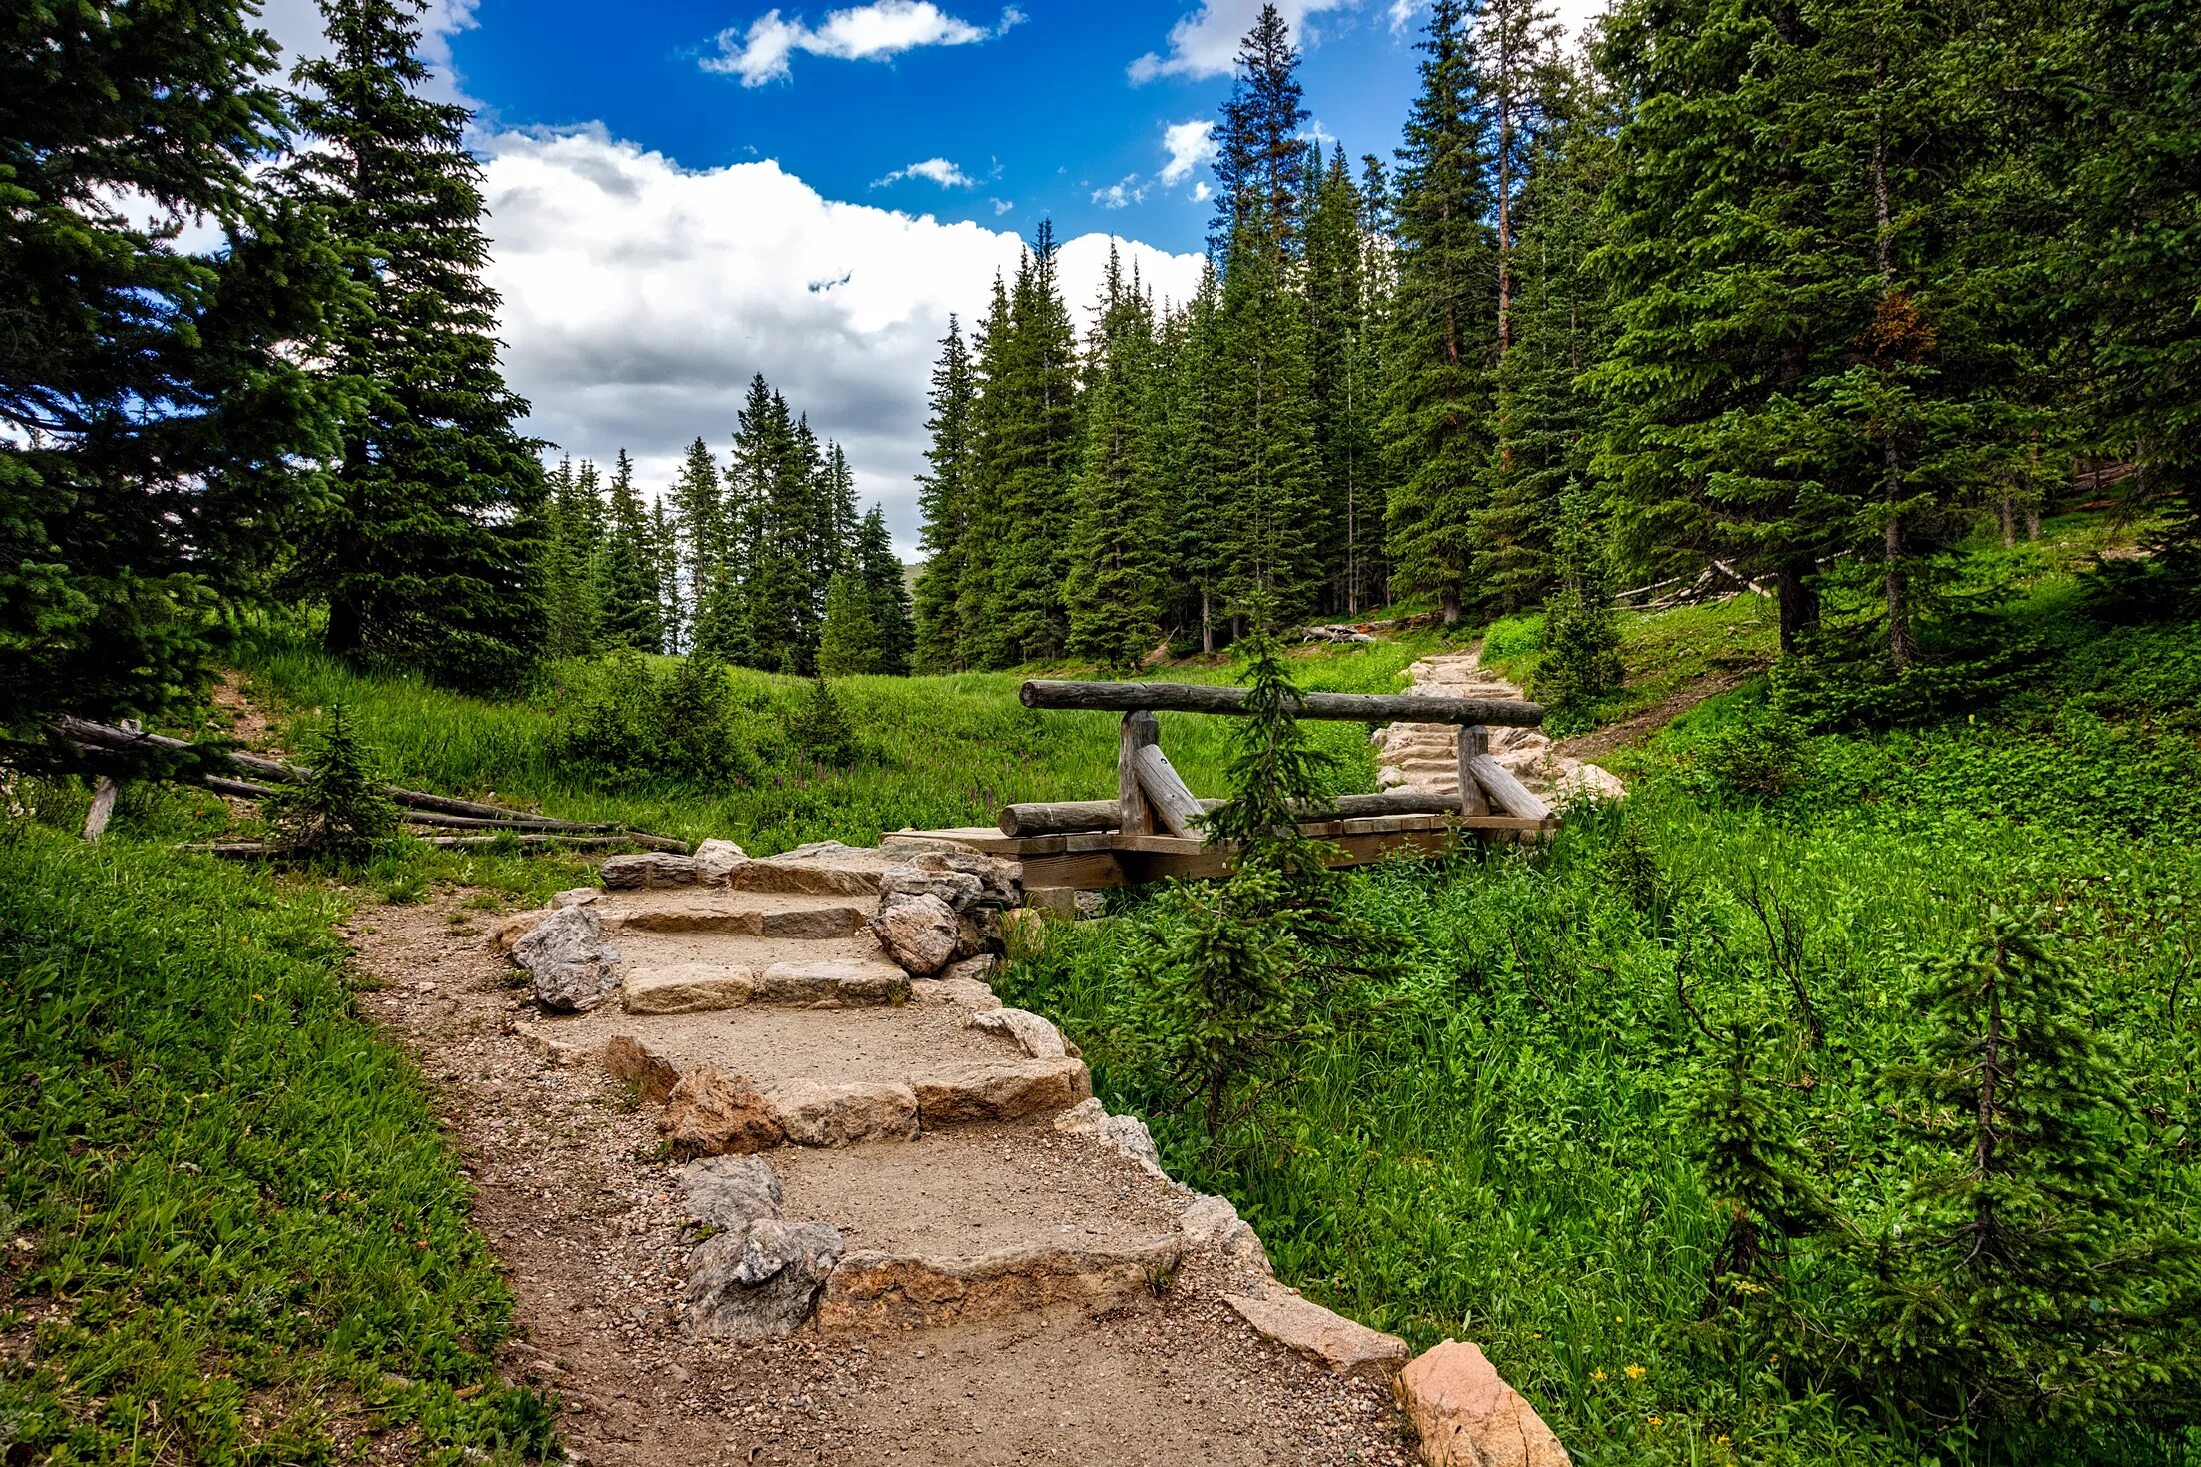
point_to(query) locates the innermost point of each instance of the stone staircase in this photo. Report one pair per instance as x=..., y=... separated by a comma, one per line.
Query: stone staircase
x=1425, y=756
x=869, y=1143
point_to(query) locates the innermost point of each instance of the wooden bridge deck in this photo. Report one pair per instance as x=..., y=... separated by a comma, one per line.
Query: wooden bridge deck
x=1095, y=860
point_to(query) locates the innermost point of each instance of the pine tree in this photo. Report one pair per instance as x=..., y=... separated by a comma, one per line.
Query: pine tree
x=634, y=614
x=157, y=439
x=850, y=644
x=886, y=591
x=1261, y=160
x=1033, y=428
x=783, y=604
x=979, y=636
x=1114, y=580
x=944, y=499
x=431, y=553
x=1342, y=372
x=1442, y=322
x=672, y=602
x=340, y=810
x=572, y=569
x=709, y=558
x=1192, y=513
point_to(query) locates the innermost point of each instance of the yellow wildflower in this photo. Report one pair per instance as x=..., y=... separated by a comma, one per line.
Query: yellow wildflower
x=1633, y=1372
x=1597, y=1375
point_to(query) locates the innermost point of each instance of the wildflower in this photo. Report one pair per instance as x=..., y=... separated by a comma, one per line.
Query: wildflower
x=1633, y=1372
x=1655, y=1421
x=1721, y=1440
x=1597, y=1375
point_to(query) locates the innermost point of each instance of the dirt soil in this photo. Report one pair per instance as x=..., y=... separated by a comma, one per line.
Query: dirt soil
x=575, y=1199
x=1631, y=731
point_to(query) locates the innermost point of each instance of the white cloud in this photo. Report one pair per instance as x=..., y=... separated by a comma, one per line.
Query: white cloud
x=1003, y=206
x=1189, y=144
x=1402, y=15
x=874, y=32
x=297, y=29
x=1205, y=42
x=1201, y=193
x=1574, y=16
x=639, y=298
x=1122, y=193
x=939, y=170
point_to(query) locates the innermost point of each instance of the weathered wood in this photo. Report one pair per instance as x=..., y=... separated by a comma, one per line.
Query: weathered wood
x=257, y=850
x=1194, y=698
x=1078, y=870
x=1474, y=744
x=103, y=808
x=1090, y=815
x=1511, y=795
x=516, y=822
x=1140, y=730
x=243, y=789
x=1174, y=804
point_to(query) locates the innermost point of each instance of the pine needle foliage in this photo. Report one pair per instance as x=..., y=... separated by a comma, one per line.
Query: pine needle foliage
x=341, y=811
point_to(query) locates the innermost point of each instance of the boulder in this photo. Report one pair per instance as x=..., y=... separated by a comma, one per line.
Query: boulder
x=979, y=969
x=650, y=869
x=871, y=1290
x=1038, y=1038
x=920, y=932
x=815, y=1113
x=1000, y=1092
x=928, y=874
x=1211, y=1224
x=551, y=1051
x=713, y=1111
x=566, y=956
x=718, y=862
x=1305, y=1327
x=506, y=934
x=961, y=992
x=760, y=1283
x=1024, y=932
x=977, y=931
x=833, y=980
x=578, y=896
x=651, y=1075
x=730, y=1192
x=1586, y=782
x=823, y=868
x=1127, y=1134
x=1466, y=1416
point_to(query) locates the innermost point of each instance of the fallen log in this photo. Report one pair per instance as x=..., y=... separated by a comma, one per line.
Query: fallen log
x=1200, y=698
x=1076, y=817
x=249, y=850
x=121, y=740
x=519, y=823
x=1506, y=789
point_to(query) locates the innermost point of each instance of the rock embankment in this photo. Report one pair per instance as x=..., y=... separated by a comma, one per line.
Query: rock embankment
x=1425, y=756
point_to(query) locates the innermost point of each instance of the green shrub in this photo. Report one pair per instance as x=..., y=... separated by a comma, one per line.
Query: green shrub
x=340, y=812
x=1513, y=636
x=637, y=728
x=820, y=729
x=1762, y=753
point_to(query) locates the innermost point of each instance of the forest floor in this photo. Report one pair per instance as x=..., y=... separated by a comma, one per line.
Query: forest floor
x=578, y=1201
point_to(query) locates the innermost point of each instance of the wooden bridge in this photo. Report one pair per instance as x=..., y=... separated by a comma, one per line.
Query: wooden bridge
x=1150, y=830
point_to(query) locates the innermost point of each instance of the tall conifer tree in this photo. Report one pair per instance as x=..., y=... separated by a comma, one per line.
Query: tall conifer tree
x=1114, y=576
x=633, y=600
x=944, y=498
x=431, y=553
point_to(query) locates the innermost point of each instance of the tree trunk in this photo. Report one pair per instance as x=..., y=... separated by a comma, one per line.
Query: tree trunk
x=1449, y=602
x=344, y=630
x=1798, y=602
x=2009, y=520
x=1902, y=641
x=1207, y=622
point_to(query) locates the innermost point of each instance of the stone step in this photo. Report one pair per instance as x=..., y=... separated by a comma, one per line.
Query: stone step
x=827, y=868
x=736, y=913
x=688, y=988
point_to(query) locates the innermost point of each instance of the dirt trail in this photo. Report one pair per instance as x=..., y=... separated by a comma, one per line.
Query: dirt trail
x=1425, y=756
x=578, y=1199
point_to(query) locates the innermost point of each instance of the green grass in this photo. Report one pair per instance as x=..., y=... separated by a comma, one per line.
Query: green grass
x=1490, y=1146
x=937, y=751
x=234, y=1231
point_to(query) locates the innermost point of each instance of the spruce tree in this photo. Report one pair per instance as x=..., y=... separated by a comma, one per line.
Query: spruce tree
x=1114, y=578
x=430, y=553
x=1442, y=342
x=1193, y=509
x=1341, y=367
x=572, y=561
x=979, y=637
x=944, y=499
x=672, y=601
x=783, y=604
x=157, y=437
x=1033, y=427
x=850, y=642
x=1260, y=159
x=886, y=591
x=633, y=614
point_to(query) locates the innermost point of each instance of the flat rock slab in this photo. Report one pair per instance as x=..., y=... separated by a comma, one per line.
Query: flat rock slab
x=777, y=1043
x=980, y=1189
x=1300, y=1324
x=825, y=869
x=1000, y=1091
x=873, y=1290
x=686, y=988
x=813, y=1113
x=735, y=913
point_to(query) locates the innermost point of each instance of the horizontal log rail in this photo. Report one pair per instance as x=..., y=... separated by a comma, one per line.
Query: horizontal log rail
x=1201, y=698
x=1072, y=817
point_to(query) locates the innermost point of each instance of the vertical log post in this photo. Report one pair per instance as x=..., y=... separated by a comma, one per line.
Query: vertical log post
x=1135, y=812
x=103, y=808
x=1474, y=743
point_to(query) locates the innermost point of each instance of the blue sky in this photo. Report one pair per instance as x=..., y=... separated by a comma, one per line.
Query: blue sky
x=681, y=195
x=1040, y=115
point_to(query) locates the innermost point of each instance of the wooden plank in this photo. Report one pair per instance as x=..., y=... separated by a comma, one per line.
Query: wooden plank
x=1027, y=821
x=1083, y=870
x=1174, y=805
x=1195, y=698
x=1474, y=744
x=1134, y=814
x=1512, y=796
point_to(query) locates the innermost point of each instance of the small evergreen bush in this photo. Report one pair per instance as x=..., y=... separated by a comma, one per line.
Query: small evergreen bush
x=340, y=812
x=820, y=729
x=637, y=728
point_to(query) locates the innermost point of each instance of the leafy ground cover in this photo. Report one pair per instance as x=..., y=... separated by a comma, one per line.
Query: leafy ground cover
x=233, y=1230
x=1502, y=1140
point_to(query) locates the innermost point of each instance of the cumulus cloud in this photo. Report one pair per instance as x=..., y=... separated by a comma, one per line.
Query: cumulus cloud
x=939, y=170
x=1188, y=144
x=1205, y=42
x=640, y=297
x=1123, y=193
x=875, y=32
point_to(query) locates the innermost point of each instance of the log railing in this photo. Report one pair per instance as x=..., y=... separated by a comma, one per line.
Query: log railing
x=1152, y=798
